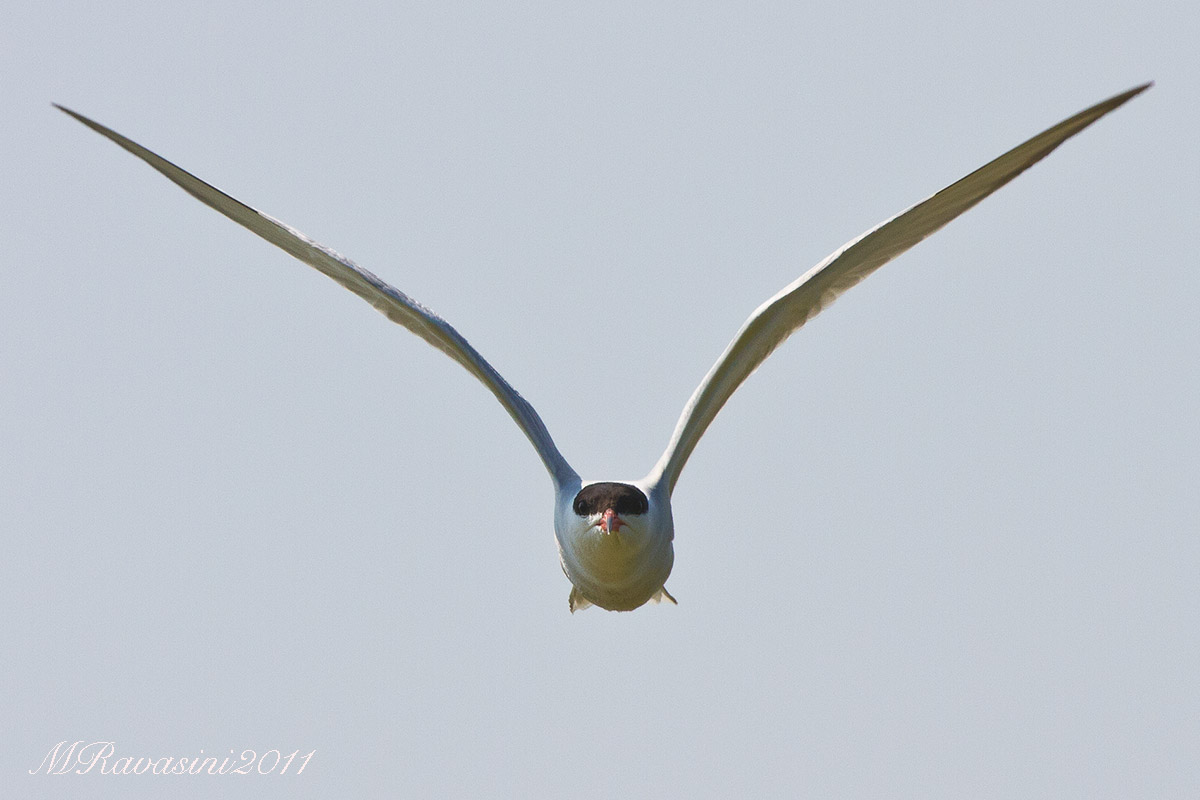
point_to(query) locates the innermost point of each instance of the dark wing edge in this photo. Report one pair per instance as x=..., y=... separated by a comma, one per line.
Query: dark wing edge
x=394, y=304
x=771, y=324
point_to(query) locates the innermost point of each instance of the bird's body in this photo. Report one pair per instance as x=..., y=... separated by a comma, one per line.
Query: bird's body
x=625, y=565
x=615, y=538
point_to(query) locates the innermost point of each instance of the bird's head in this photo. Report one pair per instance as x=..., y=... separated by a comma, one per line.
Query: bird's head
x=609, y=507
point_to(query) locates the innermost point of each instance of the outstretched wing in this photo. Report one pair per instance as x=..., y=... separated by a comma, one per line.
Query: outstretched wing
x=394, y=304
x=802, y=300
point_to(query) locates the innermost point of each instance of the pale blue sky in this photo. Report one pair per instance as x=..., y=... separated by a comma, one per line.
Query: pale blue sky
x=244, y=511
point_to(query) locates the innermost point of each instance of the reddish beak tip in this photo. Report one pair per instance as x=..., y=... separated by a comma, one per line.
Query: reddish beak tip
x=610, y=522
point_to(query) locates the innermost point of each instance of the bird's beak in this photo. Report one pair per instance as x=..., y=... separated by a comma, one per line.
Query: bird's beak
x=610, y=522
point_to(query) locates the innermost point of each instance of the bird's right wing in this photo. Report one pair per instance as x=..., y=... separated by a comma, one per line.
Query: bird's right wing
x=796, y=304
x=394, y=304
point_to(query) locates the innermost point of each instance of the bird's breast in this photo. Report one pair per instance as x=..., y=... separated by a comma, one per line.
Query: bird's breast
x=618, y=571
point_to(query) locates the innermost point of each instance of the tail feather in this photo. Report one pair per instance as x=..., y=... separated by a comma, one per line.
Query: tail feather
x=577, y=601
x=663, y=594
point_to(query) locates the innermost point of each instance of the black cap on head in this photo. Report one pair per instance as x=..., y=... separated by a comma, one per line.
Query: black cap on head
x=620, y=497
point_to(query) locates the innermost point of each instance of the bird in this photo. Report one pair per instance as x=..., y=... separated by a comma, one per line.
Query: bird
x=616, y=537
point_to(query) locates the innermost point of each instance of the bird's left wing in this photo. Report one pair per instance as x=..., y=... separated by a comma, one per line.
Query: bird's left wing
x=797, y=303
x=394, y=304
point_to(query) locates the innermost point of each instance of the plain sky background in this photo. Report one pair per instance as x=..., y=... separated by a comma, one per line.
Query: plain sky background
x=945, y=543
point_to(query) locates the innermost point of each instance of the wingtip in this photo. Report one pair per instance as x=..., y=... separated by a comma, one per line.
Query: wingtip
x=69, y=112
x=1104, y=106
x=1134, y=92
x=96, y=126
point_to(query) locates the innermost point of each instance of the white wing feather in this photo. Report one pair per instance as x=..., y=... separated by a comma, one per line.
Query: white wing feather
x=796, y=304
x=394, y=304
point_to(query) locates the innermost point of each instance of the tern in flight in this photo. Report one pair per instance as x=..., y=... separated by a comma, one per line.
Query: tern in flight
x=615, y=537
